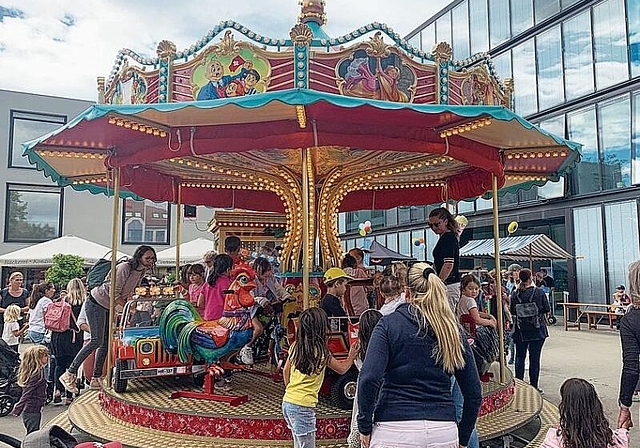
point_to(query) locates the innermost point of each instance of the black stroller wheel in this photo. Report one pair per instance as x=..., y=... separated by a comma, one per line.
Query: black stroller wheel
x=6, y=405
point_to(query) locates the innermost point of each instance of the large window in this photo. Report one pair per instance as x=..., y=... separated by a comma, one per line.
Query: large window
x=610, y=43
x=548, y=48
x=633, y=20
x=621, y=222
x=428, y=38
x=635, y=140
x=460, y=21
x=404, y=243
x=498, y=22
x=582, y=129
x=443, y=28
x=26, y=126
x=478, y=29
x=587, y=230
x=614, y=125
x=32, y=213
x=502, y=64
x=578, y=60
x=521, y=16
x=524, y=79
x=545, y=9
x=145, y=222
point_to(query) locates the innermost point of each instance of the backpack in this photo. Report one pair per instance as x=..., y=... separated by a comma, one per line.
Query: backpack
x=57, y=317
x=97, y=274
x=527, y=314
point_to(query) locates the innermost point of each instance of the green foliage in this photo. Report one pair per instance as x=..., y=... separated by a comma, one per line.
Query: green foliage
x=64, y=268
x=18, y=222
x=171, y=278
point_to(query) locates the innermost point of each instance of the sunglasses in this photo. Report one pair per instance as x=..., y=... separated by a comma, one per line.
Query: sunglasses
x=434, y=224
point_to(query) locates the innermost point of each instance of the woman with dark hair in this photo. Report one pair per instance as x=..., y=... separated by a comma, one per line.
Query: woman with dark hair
x=418, y=348
x=529, y=306
x=446, y=253
x=355, y=299
x=128, y=277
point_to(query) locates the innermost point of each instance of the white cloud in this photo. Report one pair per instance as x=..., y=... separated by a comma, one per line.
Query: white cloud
x=59, y=47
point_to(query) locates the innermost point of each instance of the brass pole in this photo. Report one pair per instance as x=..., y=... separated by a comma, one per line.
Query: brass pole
x=496, y=250
x=178, y=230
x=305, y=229
x=114, y=260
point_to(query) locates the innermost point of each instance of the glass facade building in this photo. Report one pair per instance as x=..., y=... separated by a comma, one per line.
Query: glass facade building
x=575, y=65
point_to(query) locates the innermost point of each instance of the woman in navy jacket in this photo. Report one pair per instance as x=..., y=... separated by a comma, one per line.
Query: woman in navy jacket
x=404, y=388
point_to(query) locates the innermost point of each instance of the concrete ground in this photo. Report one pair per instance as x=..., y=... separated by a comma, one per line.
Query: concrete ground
x=593, y=355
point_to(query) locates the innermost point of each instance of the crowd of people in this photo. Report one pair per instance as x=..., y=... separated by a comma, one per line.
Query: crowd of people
x=419, y=381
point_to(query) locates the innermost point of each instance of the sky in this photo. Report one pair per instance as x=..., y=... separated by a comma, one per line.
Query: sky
x=60, y=47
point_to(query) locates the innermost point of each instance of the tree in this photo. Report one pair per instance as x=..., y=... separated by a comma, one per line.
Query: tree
x=18, y=222
x=64, y=268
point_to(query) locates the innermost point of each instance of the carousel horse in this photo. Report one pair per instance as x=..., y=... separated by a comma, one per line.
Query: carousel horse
x=183, y=331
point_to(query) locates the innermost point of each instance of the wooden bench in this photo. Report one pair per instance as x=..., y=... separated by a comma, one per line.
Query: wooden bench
x=594, y=312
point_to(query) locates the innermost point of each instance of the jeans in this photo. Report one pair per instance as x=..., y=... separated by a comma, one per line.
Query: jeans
x=535, y=349
x=458, y=401
x=31, y=421
x=98, y=319
x=415, y=433
x=301, y=420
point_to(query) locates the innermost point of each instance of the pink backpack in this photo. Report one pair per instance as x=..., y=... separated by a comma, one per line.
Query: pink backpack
x=57, y=317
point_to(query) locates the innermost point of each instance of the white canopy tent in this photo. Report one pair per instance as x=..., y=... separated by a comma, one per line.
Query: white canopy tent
x=190, y=252
x=518, y=248
x=42, y=254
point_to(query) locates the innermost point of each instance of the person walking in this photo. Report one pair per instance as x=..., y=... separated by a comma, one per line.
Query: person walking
x=33, y=380
x=446, y=252
x=529, y=306
x=418, y=348
x=128, y=277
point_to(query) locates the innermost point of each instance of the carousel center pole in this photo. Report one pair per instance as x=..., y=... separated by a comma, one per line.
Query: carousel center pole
x=496, y=251
x=305, y=229
x=114, y=259
x=178, y=231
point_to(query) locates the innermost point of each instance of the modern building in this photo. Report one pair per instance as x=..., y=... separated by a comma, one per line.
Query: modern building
x=35, y=209
x=576, y=71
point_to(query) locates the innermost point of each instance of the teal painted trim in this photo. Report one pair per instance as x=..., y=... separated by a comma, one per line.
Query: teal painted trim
x=301, y=64
x=318, y=32
x=443, y=76
x=163, y=87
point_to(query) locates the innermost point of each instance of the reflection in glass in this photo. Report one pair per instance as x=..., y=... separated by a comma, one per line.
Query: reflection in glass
x=621, y=222
x=484, y=203
x=635, y=139
x=524, y=79
x=465, y=206
x=507, y=199
x=415, y=41
x=610, y=43
x=550, y=91
x=521, y=16
x=581, y=127
x=587, y=229
x=551, y=190
x=404, y=241
x=578, y=60
x=545, y=9
x=32, y=213
x=391, y=217
x=418, y=252
x=478, y=29
x=614, y=128
x=443, y=28
x=633, y=21
x=567, y=3
x=392, y=241
x=502, y=64
x=145, y=222
x=382, y=239
x=460, y=21
x=428, y=38
x=498, y=22
x=27, y=126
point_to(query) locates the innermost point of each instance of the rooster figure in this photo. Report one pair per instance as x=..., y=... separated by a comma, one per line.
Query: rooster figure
x=183, y=331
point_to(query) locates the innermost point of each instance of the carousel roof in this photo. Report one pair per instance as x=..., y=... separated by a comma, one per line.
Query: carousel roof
x=222, y=152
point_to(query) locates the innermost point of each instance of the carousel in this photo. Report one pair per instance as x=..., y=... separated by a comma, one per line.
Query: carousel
x=306, y=126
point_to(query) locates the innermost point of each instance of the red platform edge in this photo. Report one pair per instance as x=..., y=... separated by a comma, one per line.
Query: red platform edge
x=251, y=427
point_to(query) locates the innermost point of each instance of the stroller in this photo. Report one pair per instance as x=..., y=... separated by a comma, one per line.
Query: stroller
x=10, y=392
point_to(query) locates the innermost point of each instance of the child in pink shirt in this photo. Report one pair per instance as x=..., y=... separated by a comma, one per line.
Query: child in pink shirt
x=217, y=283
x=196, y=287
x=582, y=420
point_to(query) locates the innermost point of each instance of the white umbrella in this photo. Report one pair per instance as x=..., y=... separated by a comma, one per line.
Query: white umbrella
x=190, y=252
x=42, y=254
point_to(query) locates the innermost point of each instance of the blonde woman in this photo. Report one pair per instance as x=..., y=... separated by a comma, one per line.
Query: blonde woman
x=66, y=345
x=630, y=339
x=405, y=383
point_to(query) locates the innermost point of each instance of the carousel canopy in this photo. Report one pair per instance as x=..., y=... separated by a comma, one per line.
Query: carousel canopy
x=520, y=248
x=42, y=254
x=190, y=252
x=225, y=152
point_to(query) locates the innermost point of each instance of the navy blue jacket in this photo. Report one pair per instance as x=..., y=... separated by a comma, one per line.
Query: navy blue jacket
x=401, y=381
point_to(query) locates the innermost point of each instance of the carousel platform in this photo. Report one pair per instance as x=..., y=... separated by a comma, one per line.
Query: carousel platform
x=146, y=417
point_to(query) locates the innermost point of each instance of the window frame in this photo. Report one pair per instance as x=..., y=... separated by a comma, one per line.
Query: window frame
x=12, y=118
x=12, y=186
x=123, y=220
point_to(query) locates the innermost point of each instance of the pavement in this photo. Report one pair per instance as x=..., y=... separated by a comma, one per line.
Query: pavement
x=594, y=355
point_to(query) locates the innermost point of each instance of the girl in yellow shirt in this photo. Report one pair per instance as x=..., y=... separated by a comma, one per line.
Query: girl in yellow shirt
x=304, y=374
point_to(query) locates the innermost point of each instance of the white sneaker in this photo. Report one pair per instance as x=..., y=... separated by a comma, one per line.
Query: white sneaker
x=246, y=355
x=69, y=381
